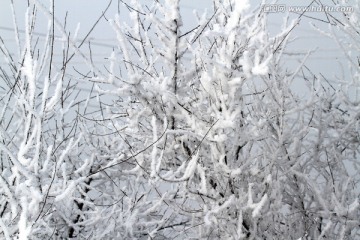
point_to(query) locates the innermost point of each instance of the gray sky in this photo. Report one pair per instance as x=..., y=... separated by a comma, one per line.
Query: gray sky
x=86, y=12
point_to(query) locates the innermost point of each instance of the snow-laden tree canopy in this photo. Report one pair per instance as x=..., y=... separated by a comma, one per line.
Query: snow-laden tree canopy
x=186, y=134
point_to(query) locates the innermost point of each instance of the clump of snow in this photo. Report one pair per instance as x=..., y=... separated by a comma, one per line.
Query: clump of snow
x=259, y=206
x=206, y=82
x=173, y=12
x=24, y=229
x=88, y=163
x=191, y=167
x=240, y=7
x=246, y=64
x=112, y=60
x=201, y=172
x=260, y=68
x=56, y=96
x=67, y=193
x=209, y=217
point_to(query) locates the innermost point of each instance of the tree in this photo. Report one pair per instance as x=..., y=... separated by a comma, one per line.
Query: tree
x=198, y=133
x=40, y=136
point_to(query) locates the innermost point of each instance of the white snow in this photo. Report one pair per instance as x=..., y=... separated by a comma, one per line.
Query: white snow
x=209, y=217
x=67, y=192
x=191, y=167
x=172, y=11
x=240, y=7
x=112, y=60
x=258, y=206
x=24, y=229
x=201, y=172
x=56, y=96
x=260, y=68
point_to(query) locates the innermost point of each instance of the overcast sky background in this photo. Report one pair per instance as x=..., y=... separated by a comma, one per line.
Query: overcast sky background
x=325, y=60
